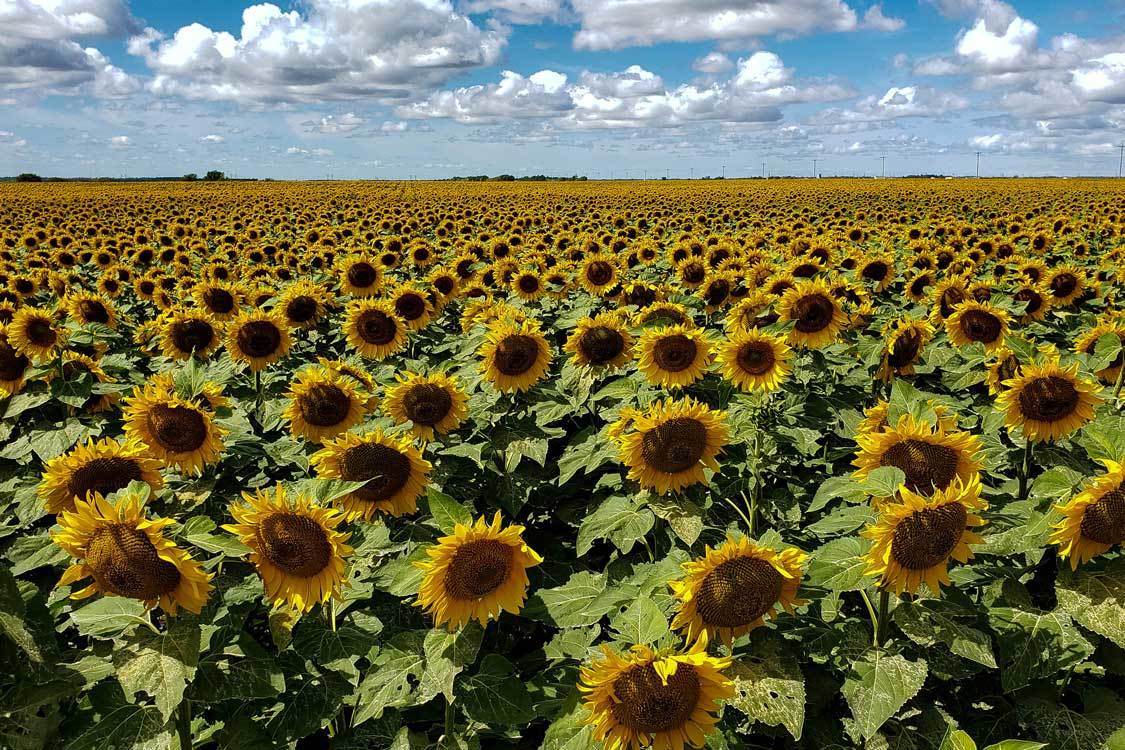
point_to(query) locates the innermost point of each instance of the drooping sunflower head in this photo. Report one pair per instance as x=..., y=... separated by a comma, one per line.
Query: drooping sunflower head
x=258, y=338
x=755, y=361
x=34, y=333
x=1048, y=401
x=13, y=365
x=816, y=315
x=127, y=555
x=392, y=468
x=475, y=573
x=104, y=467
x=750, y=313
x=1002, y=367
x=430, y=403
x=1034, y=299
x=601, y=342
x=322, y=404
x=735, y=588
x=374, y=329
x=85, y=308
x=915, y=539
x=294, y=545
x=174, y=430
x=975, y=322
x=931, y=458
x=669, y=446
x=663, y=314
x=1093, y=521
x=514, y=356
x=947, y=296
x=905, y=337
x=659, y=699
x=673, y=356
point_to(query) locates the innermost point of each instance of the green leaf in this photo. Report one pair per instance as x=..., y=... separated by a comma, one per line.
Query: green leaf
x=495, y=695
x=308, y=705
x=1106, y=350
x=337, y=649
x=121, y=725
x=1104, y=438
x=447, y=654
x=884, y=481
x=581, y=601
x=568, y=731
x=12, y=618
x=878, y=686
x=839, y=565
x=933, y=621
x=109, y=616
x=684, y=517
x=159, y=665
x=768, y=685
x=958, y=740
x=641, y=623
x=619, y=519
x=388, y=683
x=446, y=511
x=837, y=487
x=223, y=544
x=1095, y=598
x=33, y=552
x=572, y=644
x=1035, y=645
x=1016, y=745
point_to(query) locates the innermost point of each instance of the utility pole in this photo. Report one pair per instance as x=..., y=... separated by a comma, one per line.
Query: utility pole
x=883, y=160
x=692, y=173
x=724, y=171
x=1120, y=158
x=667, y=174
x=763, y=170
x=814, y=168
x=978, y=164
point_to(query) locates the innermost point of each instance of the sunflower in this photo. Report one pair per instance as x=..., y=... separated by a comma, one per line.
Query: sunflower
x=360, y=276
x=750, y=313
x=877, y=270
x=735, y=588
x=127, y=555
x=475, y=573
x=875, y=418
x=33, y=334
x=527, y=285
x=207, y=395
x=322, y=404
x=1065, y=284
x=411, y=306
x=220, y=299
x=103, y=467
x=303, y=304
x=374, y=329
x=85, y=308
x=674, y=356
x=668, y=447
x=930, y=457
x=974, y=322
x=1035, y=301
x=657, y=699
x=906, y=337
x=176, y=431
x=601, y=342
x=1048, y=401
x=184, y=333
x=294, y=545
x=1003, y=366
x=514, y=356
x=755, y=361
x=598, y=273
x=393, y=469
x=816, y=315
x=1094, y=519
x=13, y=366
x=258, y=338
x=1088, y=342
x=947, y=296
x=915, y=539
x=431, y=403
x=663, y=314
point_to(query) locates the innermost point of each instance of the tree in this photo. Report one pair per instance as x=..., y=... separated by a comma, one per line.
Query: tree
x=214, y=175
x=190, y=176
x=28, y=177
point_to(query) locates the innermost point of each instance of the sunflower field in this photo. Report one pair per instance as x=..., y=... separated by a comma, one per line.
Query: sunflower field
x=730, y=464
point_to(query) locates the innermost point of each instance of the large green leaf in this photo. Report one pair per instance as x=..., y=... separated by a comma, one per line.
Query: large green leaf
x=495, y=695
x=1095, y=598
x=160, y=665
x=879, y=685
x=768, y=684
x=619, y=519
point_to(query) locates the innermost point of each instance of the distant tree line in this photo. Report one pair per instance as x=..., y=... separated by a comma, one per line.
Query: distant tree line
x=513, y=178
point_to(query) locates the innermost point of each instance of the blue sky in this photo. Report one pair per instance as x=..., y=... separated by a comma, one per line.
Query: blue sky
x=434, y=88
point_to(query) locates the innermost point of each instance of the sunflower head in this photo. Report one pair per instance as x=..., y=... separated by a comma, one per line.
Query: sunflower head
x=177, y=431
x=668, y=447
x=598, y=273
x=374, y=329
x=102, y=467
x=1093, y=521
x=475, y=573
x=915, y=539
x=34, y=333
x=755, y=361
x=85, y=308
x=930, y=457
x=1048, y=401
x=735, y=588
x=977, y=322
x=816, y=315
x=905, y=339
x=323, y=404
x=13, y=365
x=673, y=356
x=1087, y=343
x=514, y=356
x=360, y=276
x=295, y=546
x=392, y=469
x=430, y=403
x=652, y=698
x=303, y=304
x=126, y=554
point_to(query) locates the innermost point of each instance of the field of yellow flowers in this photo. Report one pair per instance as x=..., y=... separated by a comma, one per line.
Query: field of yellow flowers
x=724, y=464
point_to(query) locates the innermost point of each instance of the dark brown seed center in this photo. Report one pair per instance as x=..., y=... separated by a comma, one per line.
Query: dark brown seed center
x=756, y=357
x=674, y=353
x=516, y=354
x=12, y=363
x=426, y=404
x=905, y=350
x=646, y=704
x=40, y=333
x=385, y=470
x=599, y=273
x=981, y=325
x=324, y=405
x=927, y=466
x=1104, y=520
x=218, y=300
x=738, y=592
x=376, y=327
x=295, y=544
x=301, y=309
x=813, y=313
x=177, y=428
x=192, y=335
x=125, y=562
x=362, y=275
x=258, y=338
x=675, y=446
x=103, y=475
x=477, y=569
x=601, y=344
x=410, y=306
x=92, y=311
x=1063, y=284
x=927, y=537
x=876, y=271
x=1031, y=298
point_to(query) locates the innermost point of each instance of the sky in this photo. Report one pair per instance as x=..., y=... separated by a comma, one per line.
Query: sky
x=404, y=89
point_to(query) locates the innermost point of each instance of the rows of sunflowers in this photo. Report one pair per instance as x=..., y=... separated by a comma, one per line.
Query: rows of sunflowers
x=742, y=464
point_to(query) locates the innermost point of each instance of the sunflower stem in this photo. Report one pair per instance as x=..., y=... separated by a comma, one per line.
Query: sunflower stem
x=450, y=724
x=740, y=511
x=183, y=724
x=871, y=613
x=1117, y=385
x=756, y=490
x=1025, y=468
x=883, y=622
